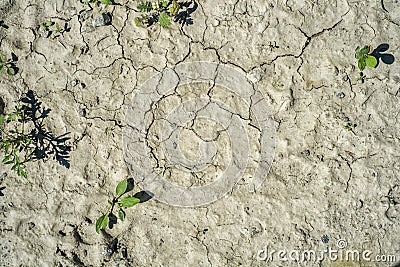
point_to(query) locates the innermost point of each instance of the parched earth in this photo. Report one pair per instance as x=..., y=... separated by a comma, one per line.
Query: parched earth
x=246, y=84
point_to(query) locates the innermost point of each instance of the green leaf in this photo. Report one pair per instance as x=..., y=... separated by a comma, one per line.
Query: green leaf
x=138, y=22
x=106, y=2
x=128, y=202
x=121, y=214
x=174, y=9
x=10, y=71
x=6, y=159
x=101, y=223
x=163, y=19
x=1, y=58
x=371, y=61
x=2, y=118
x=6, y=147
x=8, y=162
x=361, y=63
x=121, y=188
x=47, y=23
x=19, y=170
x=23, y=174
x=164, y=3
x=145, y=6
x=365, y=50
x=1, y=67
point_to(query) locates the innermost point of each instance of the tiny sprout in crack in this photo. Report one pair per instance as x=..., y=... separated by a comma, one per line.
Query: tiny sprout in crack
x=163, y=11
x=8, y=64
x=121, y=203
x=105, y=2
x=51, y=29
x=365, y=59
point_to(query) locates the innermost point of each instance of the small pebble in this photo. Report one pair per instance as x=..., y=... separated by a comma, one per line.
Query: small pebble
x=174, y=145
x=83, y=113
x=82, y=86
x=104, y=19
x=215, y=22
x=340, y=95
x=74, y=82
x=306, y=153
x=85, y=15
x=325, y=239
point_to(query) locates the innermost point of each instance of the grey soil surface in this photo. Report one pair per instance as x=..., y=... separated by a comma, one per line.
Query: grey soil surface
x=326, y=187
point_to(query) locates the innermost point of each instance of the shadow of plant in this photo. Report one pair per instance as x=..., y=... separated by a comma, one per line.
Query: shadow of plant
x=45, y=143
x=184, y=17
x=386, y=58
x=23, y=137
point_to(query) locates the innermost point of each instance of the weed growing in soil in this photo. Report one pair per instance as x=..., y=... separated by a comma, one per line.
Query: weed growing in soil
x=23, y=137
x=349, y=126
x=105, y=2
x=8, y=64
x=365, y=59
x=161, y=11
x=109, y=218
x=52, y=29
x=15, y=140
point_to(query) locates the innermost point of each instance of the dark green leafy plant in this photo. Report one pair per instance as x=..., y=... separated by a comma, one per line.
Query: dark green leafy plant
x=349, y=126
x=15, y=141
x=120, y=203
x=105, y=2
x=23, y=137
x=161, y=11
x=9, y=65
x=52, y=29
x=365, y=59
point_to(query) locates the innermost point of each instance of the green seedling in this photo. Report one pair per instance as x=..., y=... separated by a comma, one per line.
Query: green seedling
x=7, y=64
x=161, y=11
x=15, y=140
x=23, y=137
x=365, y=59
x=105, y=2
x=51, y=29
x=120, y=203
x=349, y=126
x=278, y=85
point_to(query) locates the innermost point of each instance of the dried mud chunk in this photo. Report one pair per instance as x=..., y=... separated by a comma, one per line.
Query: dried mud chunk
x=103, y=20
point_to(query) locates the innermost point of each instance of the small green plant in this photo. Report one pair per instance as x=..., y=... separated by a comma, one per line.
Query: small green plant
x=161, y=11
x=23, y=137
x=365, y=59
x=278, y=85
x=14, y=140
x=120, y=203
x=105, y=2
x=7, y=64
x=52, y=29
x=349, y=126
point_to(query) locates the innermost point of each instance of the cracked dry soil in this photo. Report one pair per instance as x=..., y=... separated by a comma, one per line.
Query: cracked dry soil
x=326, y=184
